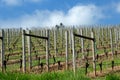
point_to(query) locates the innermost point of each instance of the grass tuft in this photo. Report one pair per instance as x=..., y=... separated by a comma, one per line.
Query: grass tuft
x=112, y=77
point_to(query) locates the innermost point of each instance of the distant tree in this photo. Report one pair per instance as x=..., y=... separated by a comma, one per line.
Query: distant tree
x=57, y=27
x=61, y=25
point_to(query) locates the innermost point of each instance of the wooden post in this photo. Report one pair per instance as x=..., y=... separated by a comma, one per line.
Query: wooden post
x=98, y=32
x=93, y=50
x=79, y=32
x=23, y=53
x=101, y=36
x=62, y=37
x=111, y=38
x=82, y=43
x=86, y=31
x=115, y=37
x=55, y=42
x=29, y=50
x=118, y=37
x=73, y=49
x=8, y=38
x=70, y=41
x=44, y=34
x=40, y=32
x=2, y=50
x=66, y=38
x=47, y=49
x=107, y=35
x=118, y=34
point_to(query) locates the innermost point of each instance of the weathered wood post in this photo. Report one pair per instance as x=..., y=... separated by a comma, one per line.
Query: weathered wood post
x=93, y=50
x=73, y=50
x=78, y=31
x=42, y=33
x=66, y=38
x=61, y=30
x=111, y=39
x=55, y=42
x=112, y=49
x=2, y=50
x=29, y=50
x=86, y=31
x=70, y=39
x=8, y=38
x=47, y=49
x=23, y=52
x=82, y=43
x=98, y=32
x=115, y=38
x=102, y=41
x=117, y=35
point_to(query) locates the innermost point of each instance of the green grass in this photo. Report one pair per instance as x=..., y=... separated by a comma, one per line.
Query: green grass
x=112, y=76
x=66, y=75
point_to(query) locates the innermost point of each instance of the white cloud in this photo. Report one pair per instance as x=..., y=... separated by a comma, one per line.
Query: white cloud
x=77, y=15
x=89, y=14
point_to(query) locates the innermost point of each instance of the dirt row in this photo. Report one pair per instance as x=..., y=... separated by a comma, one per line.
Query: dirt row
x=104, y=72
x=42, y=56
x=79, y=63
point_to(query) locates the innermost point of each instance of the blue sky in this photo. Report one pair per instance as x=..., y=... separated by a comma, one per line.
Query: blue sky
x=37, y=13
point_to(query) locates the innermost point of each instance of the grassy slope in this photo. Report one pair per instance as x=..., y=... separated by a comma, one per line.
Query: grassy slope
x=66, y=75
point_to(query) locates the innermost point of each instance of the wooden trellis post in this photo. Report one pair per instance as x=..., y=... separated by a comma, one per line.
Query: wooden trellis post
x=61, y=30
x=55, y=42
x=98, y=36
x=111, y=39
x=79, y=33
x=47, y=49
x=82, y=43
x=70, y=41
x=102, y=36
x=23, y=53
x=8, y=38
x=66, y=38
x=93, y=50
x=115, y=37
x=107, y=35
x=119, y=34
x=29, y=50
x=2, y=50
x=73, y=50
x=86, y=31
